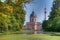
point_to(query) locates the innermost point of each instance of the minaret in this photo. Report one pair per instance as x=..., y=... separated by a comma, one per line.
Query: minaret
x=45, y=14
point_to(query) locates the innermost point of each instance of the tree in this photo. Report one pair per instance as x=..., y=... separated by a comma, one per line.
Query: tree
x=12, y=15
x=8, y=1
x=54, y=17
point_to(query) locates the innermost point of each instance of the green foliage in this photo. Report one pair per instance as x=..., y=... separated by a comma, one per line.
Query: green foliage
x=44, y=25
x=54, y=18
x=12, y=15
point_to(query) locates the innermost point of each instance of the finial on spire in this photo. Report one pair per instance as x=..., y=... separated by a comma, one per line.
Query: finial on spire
x=33, y=12
x=33, y=9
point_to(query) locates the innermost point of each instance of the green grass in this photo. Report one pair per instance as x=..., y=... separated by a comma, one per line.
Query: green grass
x=29, y=37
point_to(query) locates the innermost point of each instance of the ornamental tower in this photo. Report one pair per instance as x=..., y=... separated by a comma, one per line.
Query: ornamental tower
x=45, y=14
x=33, y=17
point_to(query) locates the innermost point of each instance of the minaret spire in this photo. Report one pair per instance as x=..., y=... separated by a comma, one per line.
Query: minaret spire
x=45, y=13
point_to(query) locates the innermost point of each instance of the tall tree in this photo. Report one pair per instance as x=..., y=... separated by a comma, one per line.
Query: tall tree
x=13, y=16
x=54, y=17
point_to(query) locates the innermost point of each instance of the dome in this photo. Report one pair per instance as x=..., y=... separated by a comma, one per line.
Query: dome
x=33, y=14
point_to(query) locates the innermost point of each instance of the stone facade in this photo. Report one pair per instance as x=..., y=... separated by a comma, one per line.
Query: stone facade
x=33, y=24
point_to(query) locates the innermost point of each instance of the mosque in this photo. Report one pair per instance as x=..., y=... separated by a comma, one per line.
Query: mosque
x=33, y=24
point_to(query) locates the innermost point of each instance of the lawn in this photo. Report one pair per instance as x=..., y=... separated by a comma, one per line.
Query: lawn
x=29, y=37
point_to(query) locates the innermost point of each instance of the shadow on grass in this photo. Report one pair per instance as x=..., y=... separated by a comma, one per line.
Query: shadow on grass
x=52, y=33
x=34, y=39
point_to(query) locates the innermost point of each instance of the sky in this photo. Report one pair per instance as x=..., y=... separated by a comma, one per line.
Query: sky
x=38, y=7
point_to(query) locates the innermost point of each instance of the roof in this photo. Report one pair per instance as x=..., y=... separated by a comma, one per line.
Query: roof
x=33, y=14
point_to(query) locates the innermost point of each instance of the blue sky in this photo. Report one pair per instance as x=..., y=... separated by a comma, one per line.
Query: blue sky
x=38, y=6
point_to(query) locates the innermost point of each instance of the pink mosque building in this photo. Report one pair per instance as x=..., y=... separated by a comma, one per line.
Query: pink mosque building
x=33, y=24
